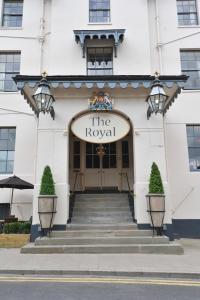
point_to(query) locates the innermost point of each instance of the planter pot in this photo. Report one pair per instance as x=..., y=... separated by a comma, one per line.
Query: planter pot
x=47, y=210
x=156, y=209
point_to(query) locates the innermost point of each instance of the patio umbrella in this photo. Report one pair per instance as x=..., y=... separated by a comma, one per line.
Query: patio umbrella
x=15, y=182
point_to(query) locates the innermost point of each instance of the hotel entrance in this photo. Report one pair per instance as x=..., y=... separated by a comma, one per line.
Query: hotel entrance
x=102, y=167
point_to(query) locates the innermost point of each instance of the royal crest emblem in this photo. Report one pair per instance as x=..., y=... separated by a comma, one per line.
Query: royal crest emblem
x=101, y=101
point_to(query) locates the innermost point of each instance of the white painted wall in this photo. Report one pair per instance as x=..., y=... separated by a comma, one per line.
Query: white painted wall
x=138, y=54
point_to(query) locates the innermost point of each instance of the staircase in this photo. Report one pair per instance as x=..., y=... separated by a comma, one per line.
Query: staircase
x=102, y=223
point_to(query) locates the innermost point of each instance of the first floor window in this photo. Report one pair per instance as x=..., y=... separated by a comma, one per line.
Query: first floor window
x=187, y=12
x=190, y=65
x=193, y=138
x=99, y=11
x=9, y=67
x=12, y=13
x=7, y=150
x=100, y=61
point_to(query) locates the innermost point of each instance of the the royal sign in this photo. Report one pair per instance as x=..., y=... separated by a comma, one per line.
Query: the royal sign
x=100, y=127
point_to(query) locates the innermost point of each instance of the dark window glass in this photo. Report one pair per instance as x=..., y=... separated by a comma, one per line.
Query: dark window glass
x=187, y=12
x=99, y=11
x=9, y=67
x=92, y=159
x=125, y=154
x=100, y=61
x=190, y=65
x=12, y=13
x=193, y=138
x=76, y=155
x=109, y=159
x=7, y=150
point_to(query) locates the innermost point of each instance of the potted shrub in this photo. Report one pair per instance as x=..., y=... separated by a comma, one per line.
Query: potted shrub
x=156, y=200
x=47, y=201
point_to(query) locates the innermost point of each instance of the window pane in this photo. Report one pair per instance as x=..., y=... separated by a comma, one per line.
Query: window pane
x=76, y=147
x=9, y=67
x=193, y=138
x=187, y=12
x=3, y=155
x=2, y=167
x=99, y=11
x=190, y=65
x=7, y=147
x=96, y=162
x=10, y=167
x=12, y=13
x=88, y=161
x=76, y=162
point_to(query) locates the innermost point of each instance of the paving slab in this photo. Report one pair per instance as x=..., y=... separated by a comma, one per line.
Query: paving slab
x=173, y=266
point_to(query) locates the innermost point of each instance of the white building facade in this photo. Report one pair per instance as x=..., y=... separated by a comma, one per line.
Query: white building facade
x=103, y=49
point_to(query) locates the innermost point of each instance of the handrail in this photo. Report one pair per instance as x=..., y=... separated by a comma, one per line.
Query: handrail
x=130, y=194
x=127, y=180
x=78, y=174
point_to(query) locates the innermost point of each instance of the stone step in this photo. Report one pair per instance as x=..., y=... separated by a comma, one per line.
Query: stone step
x=104, y=205
x=101, y=196
x=102, y=214
x=101, y=233
x=105, y=226
x=171, y=248
x=101, y=220
x=100, y=209
x=101, y=203
x=101, y=240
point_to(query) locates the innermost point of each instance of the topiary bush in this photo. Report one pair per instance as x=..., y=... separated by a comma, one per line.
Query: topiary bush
x=47, y=183
x=155, y=182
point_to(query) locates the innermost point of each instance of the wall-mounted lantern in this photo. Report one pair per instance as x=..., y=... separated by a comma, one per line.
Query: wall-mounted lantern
x=157, y=97
x=43, y=97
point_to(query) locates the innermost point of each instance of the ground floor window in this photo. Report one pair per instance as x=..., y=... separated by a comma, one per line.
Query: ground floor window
x=7, y=150
x=193, y=138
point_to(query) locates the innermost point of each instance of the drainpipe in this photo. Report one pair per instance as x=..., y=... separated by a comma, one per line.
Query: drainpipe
x=42, y=36
x=158, y=40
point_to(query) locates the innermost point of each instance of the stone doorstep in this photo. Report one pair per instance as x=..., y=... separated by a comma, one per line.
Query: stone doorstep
x=101, y=233
x=169, y=249
x=101, y=240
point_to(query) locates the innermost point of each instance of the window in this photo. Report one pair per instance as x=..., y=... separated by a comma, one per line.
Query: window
x=12, y=13
x=99, y=11
x=100, y=61
x=92, y=158
x=187, y=12
x=125, y=155
x=76, y=154
x=193, y=139
x=110, y=159
x=7, y=150
x=9, y=67
x=190, y=65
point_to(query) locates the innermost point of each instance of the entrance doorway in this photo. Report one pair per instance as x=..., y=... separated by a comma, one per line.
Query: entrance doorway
x=101, y=166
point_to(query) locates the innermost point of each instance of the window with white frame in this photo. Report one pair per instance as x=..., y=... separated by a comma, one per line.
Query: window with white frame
x=99, y=60
x=7, y=149
x=99, y=11
x=190, y=65
x=187, y=12
x=9, y=67
x=12, y=13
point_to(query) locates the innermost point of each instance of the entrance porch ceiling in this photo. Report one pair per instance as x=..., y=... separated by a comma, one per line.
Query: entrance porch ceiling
x=136, y=86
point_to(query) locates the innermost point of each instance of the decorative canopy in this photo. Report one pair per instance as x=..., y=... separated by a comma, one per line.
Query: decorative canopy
x=117, y=35
x=141, y=83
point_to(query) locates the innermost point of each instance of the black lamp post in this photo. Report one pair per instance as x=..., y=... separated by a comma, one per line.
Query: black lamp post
x=157, y=97
x=43, y=98
x=156, y=209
